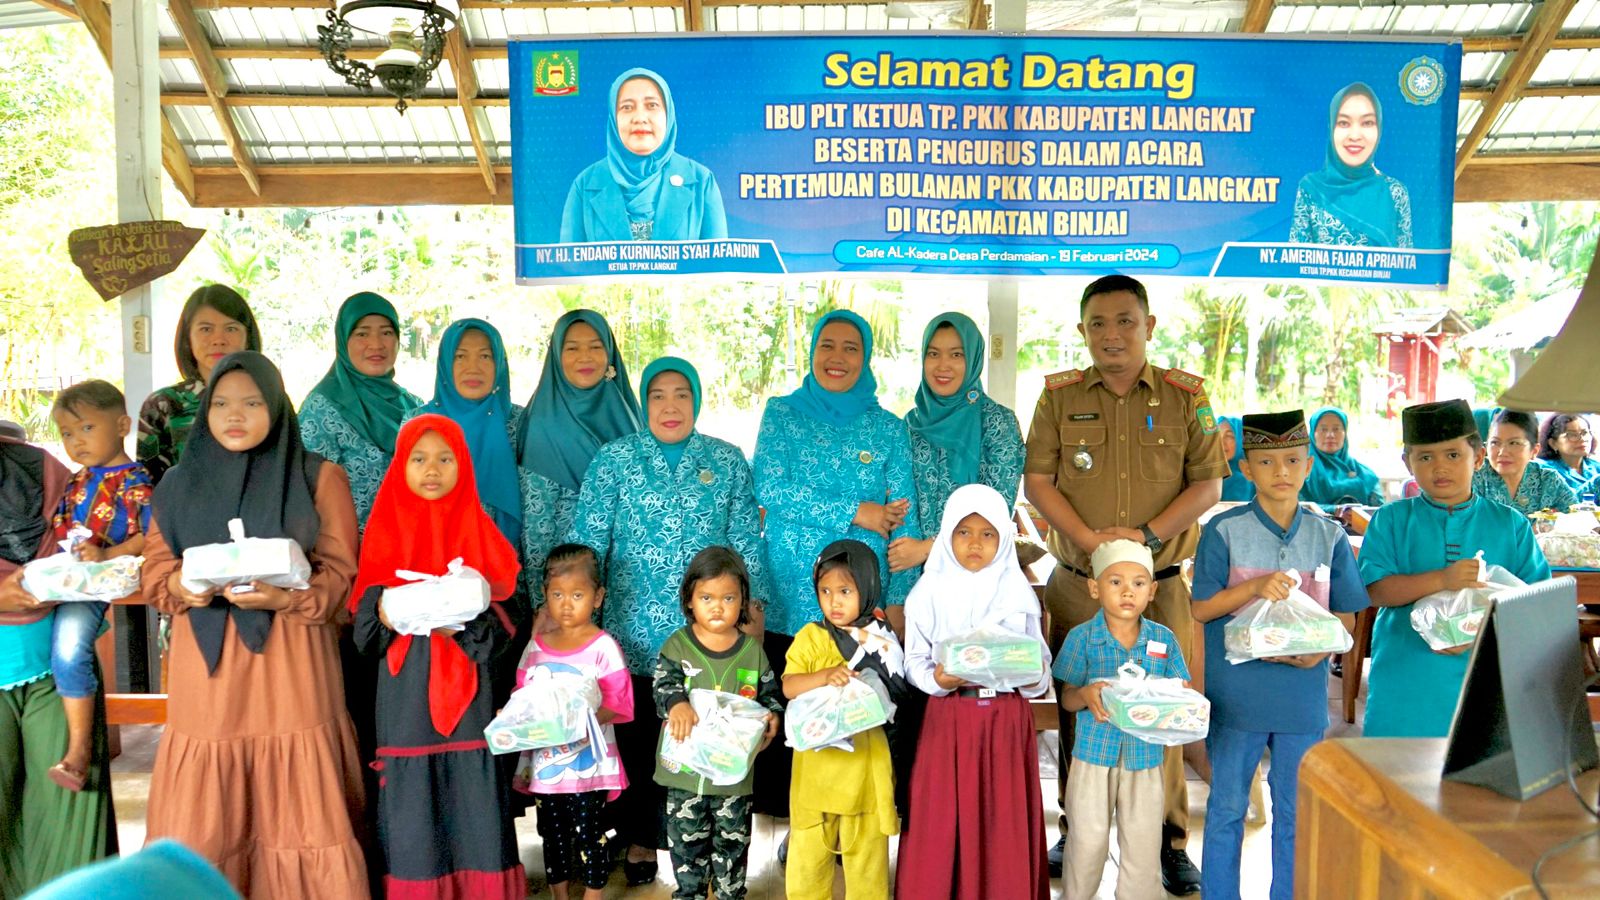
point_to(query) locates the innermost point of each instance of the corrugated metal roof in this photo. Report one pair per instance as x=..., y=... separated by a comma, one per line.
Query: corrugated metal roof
x=28, y=14
x=348, y=134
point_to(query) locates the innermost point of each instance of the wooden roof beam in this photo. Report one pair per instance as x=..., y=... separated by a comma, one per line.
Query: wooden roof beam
x=215, y=83
x=1547, y=24
x=694, y=15
x=467, y=95
x=1257, y=13
x=1484, y=181
x=59, y=6
x=352, y=185
x=1589, y=89
x=97, y=19
x=1514, y=42
x=176, y=98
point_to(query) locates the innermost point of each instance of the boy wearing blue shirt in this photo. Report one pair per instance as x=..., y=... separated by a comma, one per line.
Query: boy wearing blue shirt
x=1114, y=773
x=1423, y=544
x=1279, y=703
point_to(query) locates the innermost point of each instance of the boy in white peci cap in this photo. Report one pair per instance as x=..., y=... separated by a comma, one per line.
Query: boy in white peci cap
x=1112, y=772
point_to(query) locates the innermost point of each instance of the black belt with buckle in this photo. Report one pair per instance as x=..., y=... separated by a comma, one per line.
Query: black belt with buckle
x=981, y=693
x=1161, y=574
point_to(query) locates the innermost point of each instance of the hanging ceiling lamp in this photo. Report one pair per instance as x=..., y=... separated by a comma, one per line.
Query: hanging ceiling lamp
x=414, y=31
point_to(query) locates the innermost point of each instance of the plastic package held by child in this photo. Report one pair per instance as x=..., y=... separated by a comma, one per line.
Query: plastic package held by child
x=1291, y=627
x=723, y=744
x=64, y=578
x=829, y=716
x=552, y=709
x=279, y=562
x=436, y=601
x=1450, y=619
x=1156, y=710
x=992, y=657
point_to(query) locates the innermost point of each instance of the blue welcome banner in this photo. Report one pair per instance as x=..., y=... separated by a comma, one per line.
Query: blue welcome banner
x=985, y=155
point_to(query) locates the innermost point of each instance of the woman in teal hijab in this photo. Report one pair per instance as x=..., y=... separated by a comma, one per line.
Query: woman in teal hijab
x=643, y=190
x=353, y=414
x=472, y=386
x=651, y=500
x=959, y=435
x=1348, y=201
x=1235, y=487
x=582, y=402
x=830, y=464
x=1336, y=478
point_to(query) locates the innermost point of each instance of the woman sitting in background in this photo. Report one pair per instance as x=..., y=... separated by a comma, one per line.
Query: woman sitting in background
x=1566, y=446
x=1235, y=488
x=1336, y=478
x=1511, y=475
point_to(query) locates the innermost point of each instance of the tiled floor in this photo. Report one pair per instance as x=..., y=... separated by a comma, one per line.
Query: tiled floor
x=131, y=786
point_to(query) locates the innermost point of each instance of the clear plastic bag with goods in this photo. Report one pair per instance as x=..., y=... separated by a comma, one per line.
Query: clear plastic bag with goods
x=830, y=716
x=552, y=709
x=1156, y=710
x=280, y=562
x=1294, y=626
x=449, y=600
x=64, y=578
x=723, y=744
x=992, y=657
x=1450, y=619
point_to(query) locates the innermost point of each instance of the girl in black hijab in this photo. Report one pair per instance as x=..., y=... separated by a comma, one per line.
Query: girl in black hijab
x=259, y=752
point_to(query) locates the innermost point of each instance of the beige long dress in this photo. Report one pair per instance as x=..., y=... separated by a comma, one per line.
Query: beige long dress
x=258, y=770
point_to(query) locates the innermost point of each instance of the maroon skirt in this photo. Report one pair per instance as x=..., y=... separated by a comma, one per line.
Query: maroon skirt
x=977, y=820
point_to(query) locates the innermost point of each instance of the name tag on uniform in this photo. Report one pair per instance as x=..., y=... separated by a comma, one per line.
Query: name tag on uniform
x=985, y=693
x=1156, y=649
x=1084, y=417
x=1322, y=575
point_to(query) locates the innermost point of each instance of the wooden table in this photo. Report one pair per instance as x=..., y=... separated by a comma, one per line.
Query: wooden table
x=1375, y=821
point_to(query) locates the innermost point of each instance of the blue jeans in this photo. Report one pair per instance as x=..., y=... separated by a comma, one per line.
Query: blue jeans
x=1234, y=757
x=72, y=648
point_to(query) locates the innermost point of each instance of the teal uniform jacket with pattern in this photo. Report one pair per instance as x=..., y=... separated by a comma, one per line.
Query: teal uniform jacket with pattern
x=1411, y=690
x=690, y=207
x=646, y=522
x=999, y=464
x=810, y=477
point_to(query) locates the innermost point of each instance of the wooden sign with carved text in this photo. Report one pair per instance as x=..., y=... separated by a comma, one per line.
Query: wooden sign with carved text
x=118, y=258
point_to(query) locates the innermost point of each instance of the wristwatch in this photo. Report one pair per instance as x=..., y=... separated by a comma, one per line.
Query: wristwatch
x=1150, y=540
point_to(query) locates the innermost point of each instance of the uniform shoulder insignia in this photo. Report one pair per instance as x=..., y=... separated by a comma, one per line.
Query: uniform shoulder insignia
x=1183, y=381
x=1062, y=379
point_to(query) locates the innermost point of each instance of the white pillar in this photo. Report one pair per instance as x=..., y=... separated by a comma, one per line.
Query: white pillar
x=136, y=114
x=136, y=88
x=1007, y=16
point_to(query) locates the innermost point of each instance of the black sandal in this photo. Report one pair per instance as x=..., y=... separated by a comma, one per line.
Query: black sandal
x=638, y=873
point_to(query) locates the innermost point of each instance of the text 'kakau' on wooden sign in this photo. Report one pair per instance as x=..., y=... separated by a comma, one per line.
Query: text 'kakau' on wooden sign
x=118, y=258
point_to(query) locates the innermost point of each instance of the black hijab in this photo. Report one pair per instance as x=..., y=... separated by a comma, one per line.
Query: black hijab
x=22, y=518
x=882, y=652
x=269, y=486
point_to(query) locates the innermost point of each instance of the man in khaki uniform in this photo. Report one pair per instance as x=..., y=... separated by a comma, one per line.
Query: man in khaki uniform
x=1123, y=449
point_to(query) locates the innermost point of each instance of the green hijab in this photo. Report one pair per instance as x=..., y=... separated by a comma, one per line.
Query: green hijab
x=373, y=405
x=1337, y=477
x=954, y=424
x=673, y=452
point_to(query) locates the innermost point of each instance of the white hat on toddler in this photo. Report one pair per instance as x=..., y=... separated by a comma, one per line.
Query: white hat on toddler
x=1110, y=553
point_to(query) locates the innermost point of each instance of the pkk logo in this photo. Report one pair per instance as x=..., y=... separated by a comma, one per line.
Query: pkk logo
x=556, y=74
x=1422, y=81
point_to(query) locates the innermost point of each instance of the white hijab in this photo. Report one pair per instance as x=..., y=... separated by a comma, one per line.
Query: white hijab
x=948, y=600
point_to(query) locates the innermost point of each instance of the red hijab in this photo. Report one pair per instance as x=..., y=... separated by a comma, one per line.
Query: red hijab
x=406, y=531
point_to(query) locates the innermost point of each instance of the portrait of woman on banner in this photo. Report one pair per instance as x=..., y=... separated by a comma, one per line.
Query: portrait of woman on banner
x=1349, y=202
x=643, y=190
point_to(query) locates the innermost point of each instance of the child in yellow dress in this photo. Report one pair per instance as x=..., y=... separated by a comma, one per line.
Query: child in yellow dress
x=841, y=802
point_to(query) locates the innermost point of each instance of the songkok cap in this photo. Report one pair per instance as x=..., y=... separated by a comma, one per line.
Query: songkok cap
x=1435, y=423
x=1275, y=431
x=1110, y=553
